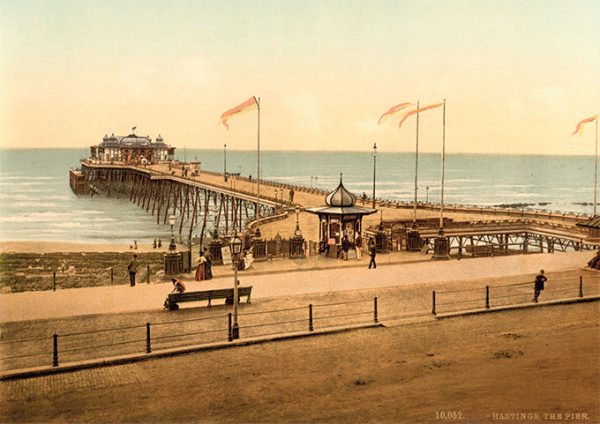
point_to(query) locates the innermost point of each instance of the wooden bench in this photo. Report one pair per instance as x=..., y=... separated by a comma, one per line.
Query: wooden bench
x=171, y=303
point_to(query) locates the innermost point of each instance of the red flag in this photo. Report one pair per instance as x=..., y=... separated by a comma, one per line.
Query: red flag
x=579, y=127
x=413, y=112
x=393, y=111
x=248, y=105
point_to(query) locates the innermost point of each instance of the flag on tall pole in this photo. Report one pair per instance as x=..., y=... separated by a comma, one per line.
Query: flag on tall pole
x=253, y=103
x=133, y=129
x=393, y=112
x=418, y=110
x=248, y=105
x=579, y=127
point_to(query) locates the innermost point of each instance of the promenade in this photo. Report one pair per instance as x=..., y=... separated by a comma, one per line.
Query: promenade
x=280, y=283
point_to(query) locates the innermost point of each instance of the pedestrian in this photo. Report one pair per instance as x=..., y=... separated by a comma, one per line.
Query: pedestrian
x=292, y=195
x=207, y=266
x=154, y=244
x=132, y=268
x=372, y=253
x=358, y=245
x=159, y=243
x=345, y=247
x=178, y=286
x=364, y=197
x=200, y=268
x=135, y=244
x=540, y=279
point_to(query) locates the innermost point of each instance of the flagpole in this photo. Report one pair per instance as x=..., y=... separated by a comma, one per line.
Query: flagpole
x=258, y=169
x=596, y=167
x=416, y=169
x=443, y=166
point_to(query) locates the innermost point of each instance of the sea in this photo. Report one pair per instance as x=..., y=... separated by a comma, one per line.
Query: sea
x=36, y=202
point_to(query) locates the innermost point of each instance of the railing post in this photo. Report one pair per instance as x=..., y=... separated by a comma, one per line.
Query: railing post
x=487, y=297
x=55, y=350
x=54, y=281
x=433, y=302
x=148, y=342
x=375, y=310
x=581, y=286
x=112, y=275
x=310, y=318
x=229, y=328
x=148, y=274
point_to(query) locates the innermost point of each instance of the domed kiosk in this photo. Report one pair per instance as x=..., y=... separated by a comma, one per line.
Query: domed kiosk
x=340, y=217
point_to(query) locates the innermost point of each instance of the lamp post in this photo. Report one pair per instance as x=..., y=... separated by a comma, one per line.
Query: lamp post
x=297, y=232
x=225, y=161
x=236, y=248
x=172, y=246
x=374, y=167
x=427, y=198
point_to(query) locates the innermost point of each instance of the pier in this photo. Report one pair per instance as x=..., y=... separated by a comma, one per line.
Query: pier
x=214, y=204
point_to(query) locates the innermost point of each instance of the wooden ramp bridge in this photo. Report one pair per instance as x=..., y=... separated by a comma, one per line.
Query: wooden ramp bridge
x=509, y=236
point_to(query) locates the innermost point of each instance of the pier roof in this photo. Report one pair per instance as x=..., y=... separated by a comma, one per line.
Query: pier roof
x=341, y=202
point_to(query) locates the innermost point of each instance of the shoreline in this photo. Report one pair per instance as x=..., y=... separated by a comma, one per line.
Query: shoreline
x=65, y=246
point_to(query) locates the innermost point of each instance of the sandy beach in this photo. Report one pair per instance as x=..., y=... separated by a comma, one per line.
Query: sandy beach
x=34, y=246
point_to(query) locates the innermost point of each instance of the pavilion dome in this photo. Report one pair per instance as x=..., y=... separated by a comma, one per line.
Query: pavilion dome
x=340, y=197
x=134, y=140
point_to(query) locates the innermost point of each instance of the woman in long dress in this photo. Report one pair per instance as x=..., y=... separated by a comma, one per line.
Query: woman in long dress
x=200, y=273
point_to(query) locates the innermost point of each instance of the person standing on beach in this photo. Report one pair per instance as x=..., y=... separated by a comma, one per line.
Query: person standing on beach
x=132, y=268
x=372, y=253
x=540, y=279
x=292, y=195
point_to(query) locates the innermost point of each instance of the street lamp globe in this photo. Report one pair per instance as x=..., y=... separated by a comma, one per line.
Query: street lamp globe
x=236, y=245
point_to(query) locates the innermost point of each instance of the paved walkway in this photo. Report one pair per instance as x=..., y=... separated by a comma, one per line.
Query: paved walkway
x=144, y=297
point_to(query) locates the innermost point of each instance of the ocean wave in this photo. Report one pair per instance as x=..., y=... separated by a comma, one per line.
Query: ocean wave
x=35, y=204
x=513, y=185
x=38, y=217
x=13, y=177
x=22, y=184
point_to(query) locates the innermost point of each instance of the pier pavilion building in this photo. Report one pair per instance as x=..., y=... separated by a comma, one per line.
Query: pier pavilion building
x=339, y=217
x=132, y=148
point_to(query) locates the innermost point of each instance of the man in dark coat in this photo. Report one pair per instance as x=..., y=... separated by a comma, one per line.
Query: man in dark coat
x=345, y=247
x=372, y=253
x=540, y=279
x=132, y=268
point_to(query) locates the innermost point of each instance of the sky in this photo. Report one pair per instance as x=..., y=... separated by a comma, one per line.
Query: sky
x=517, y=76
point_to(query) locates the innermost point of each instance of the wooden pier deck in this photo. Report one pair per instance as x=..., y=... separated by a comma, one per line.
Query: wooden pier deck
x=277, y=211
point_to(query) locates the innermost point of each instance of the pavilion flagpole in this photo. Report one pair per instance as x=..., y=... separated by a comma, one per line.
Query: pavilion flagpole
x=443, y=168
x=258, y=168
x=416, y=169
x=596, y=168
